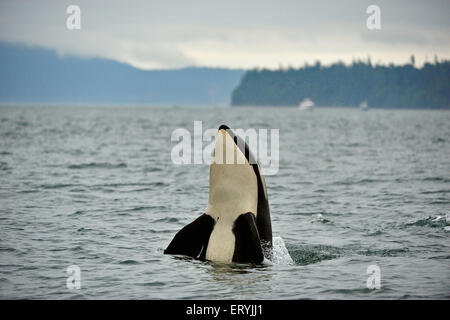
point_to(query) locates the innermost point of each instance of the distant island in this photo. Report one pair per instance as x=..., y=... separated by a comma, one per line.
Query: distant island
x=378, y=86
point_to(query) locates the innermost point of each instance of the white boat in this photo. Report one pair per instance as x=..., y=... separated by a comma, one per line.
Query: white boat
x=364, y=106
x=306, y=104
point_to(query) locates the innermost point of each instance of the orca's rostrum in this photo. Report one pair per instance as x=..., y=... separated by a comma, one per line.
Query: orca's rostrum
x=236, y=225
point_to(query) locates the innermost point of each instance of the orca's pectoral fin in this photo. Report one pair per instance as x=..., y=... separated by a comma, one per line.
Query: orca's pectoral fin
x=193, y=239
x=248, y=245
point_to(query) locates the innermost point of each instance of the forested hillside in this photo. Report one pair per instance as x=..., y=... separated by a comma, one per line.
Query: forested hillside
x=348, y=85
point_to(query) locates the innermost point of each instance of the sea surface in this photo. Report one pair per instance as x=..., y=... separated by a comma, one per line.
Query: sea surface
x=95, y=187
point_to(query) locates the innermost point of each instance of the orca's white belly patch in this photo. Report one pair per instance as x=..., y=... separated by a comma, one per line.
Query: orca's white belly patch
x=221, y=243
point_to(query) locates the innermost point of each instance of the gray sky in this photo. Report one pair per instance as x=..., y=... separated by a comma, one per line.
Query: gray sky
x=238, y=34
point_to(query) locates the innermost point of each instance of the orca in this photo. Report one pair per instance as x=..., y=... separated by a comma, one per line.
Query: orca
x=236, y=225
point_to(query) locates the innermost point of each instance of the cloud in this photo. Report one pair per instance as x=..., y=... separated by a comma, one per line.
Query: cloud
x=396, y=39
x=172, y=34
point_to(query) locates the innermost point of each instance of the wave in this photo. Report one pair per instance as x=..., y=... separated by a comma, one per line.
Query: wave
x=436, y=191
x=320, y=218
x=129, y=262
x=384, y=252
x=310, y=254
x=97, y=165
x=131, y=184
x=438, y=140
x=305, y=255
x=78, y=212
x=58, y=185
x=166, y=219
x=432, y=179
x=363, y=181
x=442, y=221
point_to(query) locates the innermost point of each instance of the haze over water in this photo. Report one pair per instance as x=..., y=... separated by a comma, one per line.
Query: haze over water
x=95, y=187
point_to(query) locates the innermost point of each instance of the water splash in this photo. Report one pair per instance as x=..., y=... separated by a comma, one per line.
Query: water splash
x=279, y=254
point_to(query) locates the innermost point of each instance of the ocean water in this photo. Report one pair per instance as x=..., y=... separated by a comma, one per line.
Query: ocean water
x=95, y=187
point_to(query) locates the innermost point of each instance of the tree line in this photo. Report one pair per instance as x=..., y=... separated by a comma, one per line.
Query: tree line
x=381, y=86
